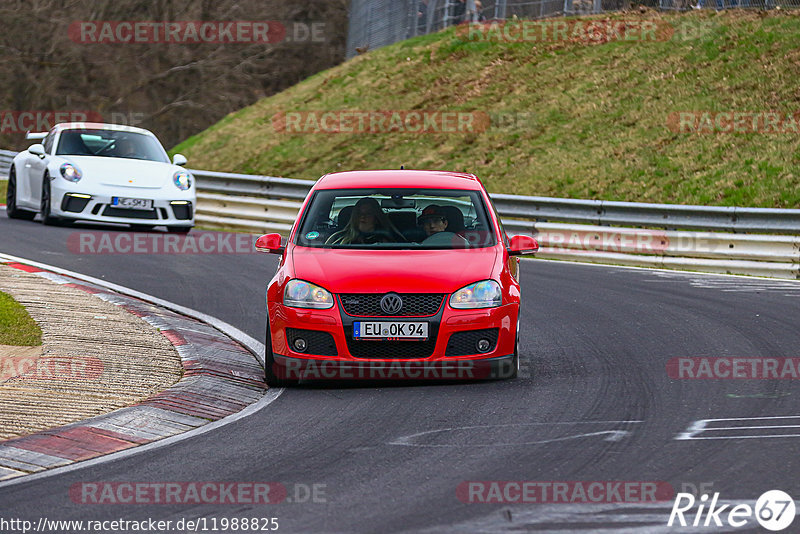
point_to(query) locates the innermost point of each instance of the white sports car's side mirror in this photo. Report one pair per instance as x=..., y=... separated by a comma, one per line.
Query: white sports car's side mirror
x=37, y=150
x=179, y=159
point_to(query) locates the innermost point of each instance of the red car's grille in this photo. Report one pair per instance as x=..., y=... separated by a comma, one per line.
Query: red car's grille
x=414, y=304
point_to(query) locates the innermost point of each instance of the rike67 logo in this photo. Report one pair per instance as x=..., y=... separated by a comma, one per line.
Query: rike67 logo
x=774, y=510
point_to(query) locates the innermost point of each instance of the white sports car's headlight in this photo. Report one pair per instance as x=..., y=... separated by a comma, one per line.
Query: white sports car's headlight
x=300, y=294
x=483, y=294
x=70, y=172
x=182, y=180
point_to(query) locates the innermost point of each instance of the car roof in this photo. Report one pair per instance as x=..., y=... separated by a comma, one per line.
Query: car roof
x=399, y=178
x=101, y=126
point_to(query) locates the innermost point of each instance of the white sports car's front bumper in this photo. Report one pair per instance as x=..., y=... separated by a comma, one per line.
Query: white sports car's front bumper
x=171, y=206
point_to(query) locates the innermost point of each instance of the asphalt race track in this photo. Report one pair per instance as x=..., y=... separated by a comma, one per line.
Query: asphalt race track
x=596, y=404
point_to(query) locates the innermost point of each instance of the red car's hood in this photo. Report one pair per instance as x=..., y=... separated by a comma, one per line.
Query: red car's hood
x=402, y=271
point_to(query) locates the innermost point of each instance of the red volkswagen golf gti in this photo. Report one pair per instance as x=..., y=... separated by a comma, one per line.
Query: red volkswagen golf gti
x=394, y=274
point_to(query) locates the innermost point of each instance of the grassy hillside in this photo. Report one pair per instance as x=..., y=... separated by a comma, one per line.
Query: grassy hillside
x=569, y=119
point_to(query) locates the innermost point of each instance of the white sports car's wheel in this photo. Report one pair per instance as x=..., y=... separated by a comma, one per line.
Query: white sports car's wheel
x=45, y=210
x=12, y=211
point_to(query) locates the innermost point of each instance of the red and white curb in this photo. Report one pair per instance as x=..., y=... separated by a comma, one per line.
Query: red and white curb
x=222, y=380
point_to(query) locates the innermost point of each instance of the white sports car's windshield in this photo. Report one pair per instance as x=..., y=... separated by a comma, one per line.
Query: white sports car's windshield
x=111, y=144
x=396, y=218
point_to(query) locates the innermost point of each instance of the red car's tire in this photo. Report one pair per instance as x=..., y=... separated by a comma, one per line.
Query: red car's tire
x=272, y=375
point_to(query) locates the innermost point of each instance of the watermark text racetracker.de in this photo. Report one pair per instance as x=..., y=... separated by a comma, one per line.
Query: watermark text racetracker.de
x=20, y=122
x=592, y=31
x=408, y=121
x=348, y=121
x=194, y=492
x=577, y=241
x=584, y=32
x=49, y=368
x=733, y=368
x=320, y=369
x=196, y=32
x=560, y=492
x=734, y=122
x=198, y=242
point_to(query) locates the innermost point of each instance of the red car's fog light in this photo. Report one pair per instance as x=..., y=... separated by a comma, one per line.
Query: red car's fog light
x=483, y=345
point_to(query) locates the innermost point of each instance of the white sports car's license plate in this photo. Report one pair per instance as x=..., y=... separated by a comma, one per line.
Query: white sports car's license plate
x=132, y=203
x=390, y=330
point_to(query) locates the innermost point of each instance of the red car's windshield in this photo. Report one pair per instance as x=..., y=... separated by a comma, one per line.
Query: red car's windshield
x=396, y=218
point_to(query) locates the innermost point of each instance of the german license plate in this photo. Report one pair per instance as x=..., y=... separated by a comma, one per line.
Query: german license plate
x=132, y=203
x=382, y=330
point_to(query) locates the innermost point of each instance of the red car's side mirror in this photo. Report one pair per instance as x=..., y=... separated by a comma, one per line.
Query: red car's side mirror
x=522, y=244
x=271, y=243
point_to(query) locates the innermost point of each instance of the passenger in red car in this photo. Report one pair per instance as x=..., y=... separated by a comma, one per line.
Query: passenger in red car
x=435, y=223
x=368, y=224
x=433, y=220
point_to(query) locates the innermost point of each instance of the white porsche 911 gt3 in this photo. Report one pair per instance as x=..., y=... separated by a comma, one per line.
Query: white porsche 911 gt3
x=102, y=173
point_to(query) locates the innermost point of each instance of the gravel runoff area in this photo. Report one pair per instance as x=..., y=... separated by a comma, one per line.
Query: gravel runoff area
x=95, y=357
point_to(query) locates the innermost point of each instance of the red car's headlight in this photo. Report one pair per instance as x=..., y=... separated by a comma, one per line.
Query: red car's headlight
x=483, y=294
x=301, y=294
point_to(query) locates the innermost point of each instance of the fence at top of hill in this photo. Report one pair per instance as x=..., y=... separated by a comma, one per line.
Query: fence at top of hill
x=377, y=23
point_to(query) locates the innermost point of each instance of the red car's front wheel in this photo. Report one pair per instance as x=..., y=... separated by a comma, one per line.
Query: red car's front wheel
x=274, y=374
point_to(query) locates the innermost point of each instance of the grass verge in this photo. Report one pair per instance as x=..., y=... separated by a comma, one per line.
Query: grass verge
x=16, y=326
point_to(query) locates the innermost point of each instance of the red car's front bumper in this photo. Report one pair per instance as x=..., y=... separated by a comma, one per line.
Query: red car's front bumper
x=450, y=352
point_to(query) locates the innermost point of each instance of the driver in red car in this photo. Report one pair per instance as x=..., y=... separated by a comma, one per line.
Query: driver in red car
x=368, y=224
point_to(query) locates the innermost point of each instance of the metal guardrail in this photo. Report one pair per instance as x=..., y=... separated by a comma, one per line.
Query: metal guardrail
x=752, y=254
x=5, y=163
x=249, y=184
x=598, y=237
x=542, y=209
x=246, y=213
x=602, y=233
x=604, y=213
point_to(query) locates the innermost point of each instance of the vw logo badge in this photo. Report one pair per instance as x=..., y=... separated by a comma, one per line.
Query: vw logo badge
x=391, y=303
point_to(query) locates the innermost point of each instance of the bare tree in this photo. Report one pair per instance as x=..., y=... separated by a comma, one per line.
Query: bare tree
x=174, y=89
